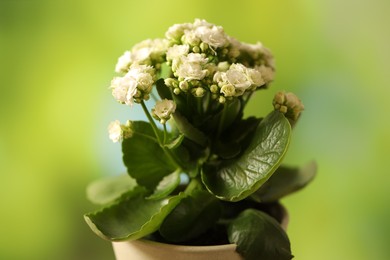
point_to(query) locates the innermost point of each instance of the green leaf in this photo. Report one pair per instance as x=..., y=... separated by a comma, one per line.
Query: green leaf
x=163, y=90
x=259, y=236
x=144, y=158
x=166, y=186
x=285, y=181
x=132, y=217
x=110, y=188
x=193, y=216
x=237, y=179
x=189, y=130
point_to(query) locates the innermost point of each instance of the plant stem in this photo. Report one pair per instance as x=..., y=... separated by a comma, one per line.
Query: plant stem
x=167, y=152
x=222, y=120
x=165, y=134
x=194, y=184
x=151, y=121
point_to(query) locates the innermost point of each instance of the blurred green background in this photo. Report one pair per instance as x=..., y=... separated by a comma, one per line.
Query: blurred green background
x=57, y=59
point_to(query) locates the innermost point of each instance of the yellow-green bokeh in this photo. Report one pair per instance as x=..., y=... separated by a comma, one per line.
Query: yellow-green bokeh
x=57, y=59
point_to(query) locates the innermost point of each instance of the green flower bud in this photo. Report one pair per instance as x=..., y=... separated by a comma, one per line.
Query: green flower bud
x=214, y=88
x=204, y=46
x=196, y=49
x=222, y=99
x=288, y=104
x=176, y=91
x=199, y=92
x=183, y=85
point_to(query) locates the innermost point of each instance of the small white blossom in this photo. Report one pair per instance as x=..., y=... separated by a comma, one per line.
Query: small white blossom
x=238, y=77
x=124, y=62
x=228, y=90
x=191, y=67
x=118, y=132
x=214, y=36
x=177, y=51
x=138, y=78
x=123, y=89
x=163, y=110
x=115, y=131
x=176, y=31
x=256, y=77
x=191, y=37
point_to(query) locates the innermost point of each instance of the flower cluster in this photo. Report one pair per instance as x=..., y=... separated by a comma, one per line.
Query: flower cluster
x=202, y=59
x=289, y=104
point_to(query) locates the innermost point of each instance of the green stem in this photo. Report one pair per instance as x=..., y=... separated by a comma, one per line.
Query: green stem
x=199, y=105
x=151, y=121
x=167, y=152
x=222, y=120
x=165, y=134
x=194, y=184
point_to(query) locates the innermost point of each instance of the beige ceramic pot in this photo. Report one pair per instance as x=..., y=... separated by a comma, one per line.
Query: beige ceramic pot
x=150, y=250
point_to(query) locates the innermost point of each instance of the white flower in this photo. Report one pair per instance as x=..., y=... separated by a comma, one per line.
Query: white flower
x=124, y=62
x=201, y=22
x=163, y=110
x=139, y=77
x=115, y=131
x=228, y=90
x=191, y=38
x=255, y=77
x=118, y=132
x=123, y=89
x=175, y=53
x=238, y=77
x=176, y=31
x=191, y=67
x=214, y=36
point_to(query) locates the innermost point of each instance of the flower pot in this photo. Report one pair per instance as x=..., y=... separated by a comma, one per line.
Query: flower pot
x=150, y=250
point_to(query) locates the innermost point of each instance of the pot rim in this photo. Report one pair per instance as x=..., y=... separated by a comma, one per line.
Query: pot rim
x=192, y=248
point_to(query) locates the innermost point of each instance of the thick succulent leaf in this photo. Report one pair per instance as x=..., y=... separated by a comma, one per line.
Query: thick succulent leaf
x=189, y=130
x=108, y=189
x=259, y=236
x=239, y=178
x=144, y=158
x=193, y=216
x=132, y=217
x=285, y=181
x=166, y=186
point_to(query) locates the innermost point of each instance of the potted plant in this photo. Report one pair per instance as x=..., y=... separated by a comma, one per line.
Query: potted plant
x=199, y=173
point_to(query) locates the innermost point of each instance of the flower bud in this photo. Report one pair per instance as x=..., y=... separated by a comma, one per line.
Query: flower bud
x=199, y=92
x=214, y=88
x=204, y=46
x=222, y=99
x=196, y=49
x=183, y=85
x=288, y=104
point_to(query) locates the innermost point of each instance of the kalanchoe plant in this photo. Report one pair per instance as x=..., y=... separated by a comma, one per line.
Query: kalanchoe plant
x=198, y=172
